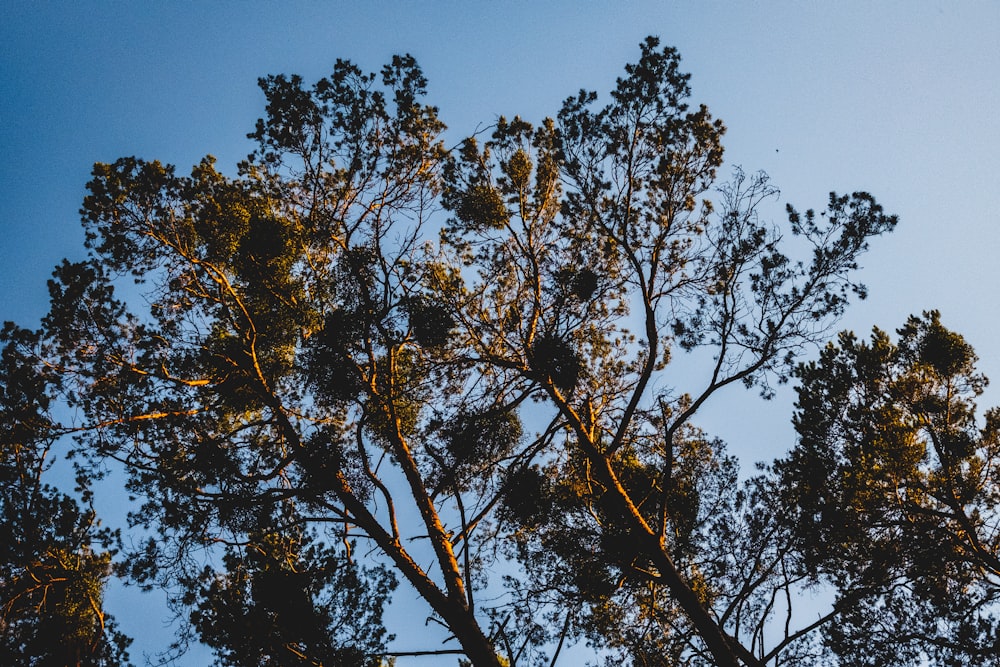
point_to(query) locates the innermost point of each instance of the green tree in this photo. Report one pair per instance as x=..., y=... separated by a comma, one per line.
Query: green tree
x=54, y=559
x=891, y=496
x=456, y=365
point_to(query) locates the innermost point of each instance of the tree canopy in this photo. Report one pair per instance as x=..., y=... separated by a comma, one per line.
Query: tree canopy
x=370, y=357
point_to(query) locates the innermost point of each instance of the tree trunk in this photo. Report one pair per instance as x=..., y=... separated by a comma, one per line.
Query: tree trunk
x=727, y=651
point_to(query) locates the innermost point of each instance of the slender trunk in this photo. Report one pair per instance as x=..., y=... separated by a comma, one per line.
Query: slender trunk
x=451, y=607
x=726, y=650
x=453, y=610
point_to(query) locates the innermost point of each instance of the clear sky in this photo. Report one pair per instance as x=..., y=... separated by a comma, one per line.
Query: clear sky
x=898, y=97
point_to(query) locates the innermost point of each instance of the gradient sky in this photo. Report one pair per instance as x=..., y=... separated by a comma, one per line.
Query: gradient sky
x=898, y=98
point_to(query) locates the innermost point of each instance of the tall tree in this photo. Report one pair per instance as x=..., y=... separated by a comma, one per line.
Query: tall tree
x=312, y=377
x=597, y=255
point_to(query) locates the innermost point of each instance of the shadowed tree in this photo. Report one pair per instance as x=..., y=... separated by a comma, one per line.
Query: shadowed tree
x=54, y=559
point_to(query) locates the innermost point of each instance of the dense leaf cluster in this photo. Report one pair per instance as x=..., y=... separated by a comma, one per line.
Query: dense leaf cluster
x=892, y=496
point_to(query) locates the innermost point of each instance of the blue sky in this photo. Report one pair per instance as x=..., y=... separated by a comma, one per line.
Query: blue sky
x=899, y=98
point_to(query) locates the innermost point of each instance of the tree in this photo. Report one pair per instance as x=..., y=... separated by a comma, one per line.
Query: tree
x=893, y=497
x=54, y=559
x=311, y=376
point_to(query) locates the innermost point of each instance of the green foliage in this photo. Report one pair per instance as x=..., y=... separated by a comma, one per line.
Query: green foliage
x=432, y=323
x=556, y=361
x=476, y=436
x=330, y=357
x=482, y=205
x=890, y=498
